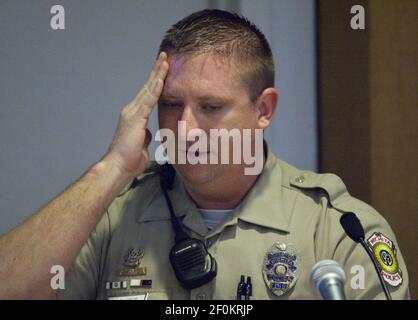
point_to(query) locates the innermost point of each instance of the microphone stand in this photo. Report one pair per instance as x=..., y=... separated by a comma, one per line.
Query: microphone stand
x=378, y=270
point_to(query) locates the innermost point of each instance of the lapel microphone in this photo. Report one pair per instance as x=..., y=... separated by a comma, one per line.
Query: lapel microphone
x=353, y=228
x=193, y=265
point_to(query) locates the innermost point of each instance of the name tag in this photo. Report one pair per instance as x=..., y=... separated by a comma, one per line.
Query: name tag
x=137, y=297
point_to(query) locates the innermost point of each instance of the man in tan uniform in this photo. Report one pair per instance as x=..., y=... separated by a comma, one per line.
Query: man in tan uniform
x=286, y=206
x=272, y=227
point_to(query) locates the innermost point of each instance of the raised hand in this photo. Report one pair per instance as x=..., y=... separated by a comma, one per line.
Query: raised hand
x=128, y=150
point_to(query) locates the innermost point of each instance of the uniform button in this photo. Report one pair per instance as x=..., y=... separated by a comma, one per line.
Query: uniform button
x=201, y=296
x=300, y=179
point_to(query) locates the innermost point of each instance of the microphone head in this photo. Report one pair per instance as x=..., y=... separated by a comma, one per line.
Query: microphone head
x=326, y=269
x=352, y=226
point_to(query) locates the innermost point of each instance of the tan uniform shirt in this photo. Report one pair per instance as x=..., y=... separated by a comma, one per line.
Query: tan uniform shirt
x=298, y=209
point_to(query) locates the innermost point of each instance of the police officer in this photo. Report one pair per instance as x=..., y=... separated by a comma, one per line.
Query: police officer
x=215, y=71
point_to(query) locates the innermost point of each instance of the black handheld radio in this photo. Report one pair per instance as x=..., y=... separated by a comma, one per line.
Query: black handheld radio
x=189, y=257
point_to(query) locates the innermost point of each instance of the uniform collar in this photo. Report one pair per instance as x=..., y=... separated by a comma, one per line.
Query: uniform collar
x=262, y=206
x=183, y=206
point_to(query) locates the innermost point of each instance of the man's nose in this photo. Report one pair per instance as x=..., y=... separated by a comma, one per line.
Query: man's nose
x=189, y=118
x=190, y=122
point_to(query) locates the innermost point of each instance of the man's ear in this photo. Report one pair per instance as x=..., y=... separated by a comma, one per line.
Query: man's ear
x=266, y=104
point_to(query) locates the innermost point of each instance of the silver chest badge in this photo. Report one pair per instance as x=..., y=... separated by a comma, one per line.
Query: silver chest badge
x=281, y=268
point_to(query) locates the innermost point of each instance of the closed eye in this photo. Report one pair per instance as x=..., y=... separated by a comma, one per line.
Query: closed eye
x=211, y=107
x=167, y=104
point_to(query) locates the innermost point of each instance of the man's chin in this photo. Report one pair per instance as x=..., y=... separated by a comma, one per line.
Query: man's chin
x=198, y=174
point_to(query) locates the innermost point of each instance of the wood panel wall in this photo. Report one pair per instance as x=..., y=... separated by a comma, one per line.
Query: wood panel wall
x=368, y=110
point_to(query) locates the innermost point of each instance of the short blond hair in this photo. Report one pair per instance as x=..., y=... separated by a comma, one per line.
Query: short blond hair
x=229, y=35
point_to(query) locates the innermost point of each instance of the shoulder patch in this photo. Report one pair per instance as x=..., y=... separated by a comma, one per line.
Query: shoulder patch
x=384, y=252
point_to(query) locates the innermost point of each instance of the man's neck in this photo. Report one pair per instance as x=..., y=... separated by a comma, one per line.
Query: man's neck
x=225, y=194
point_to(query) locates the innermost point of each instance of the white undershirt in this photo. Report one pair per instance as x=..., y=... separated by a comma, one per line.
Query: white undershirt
x=214, y=217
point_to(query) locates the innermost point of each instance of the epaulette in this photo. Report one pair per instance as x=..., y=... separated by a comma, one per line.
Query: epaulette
x=151, y=169
x=334, y=187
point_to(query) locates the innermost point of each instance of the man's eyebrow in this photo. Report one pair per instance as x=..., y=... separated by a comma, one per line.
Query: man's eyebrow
x=214, y=98
x=207, y=98
x=167, y=96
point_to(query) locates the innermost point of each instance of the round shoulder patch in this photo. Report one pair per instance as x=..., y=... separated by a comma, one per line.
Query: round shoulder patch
x=384, y=252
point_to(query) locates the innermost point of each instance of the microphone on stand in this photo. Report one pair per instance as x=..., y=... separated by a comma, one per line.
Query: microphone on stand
x=329, y=278
x=353, y=228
